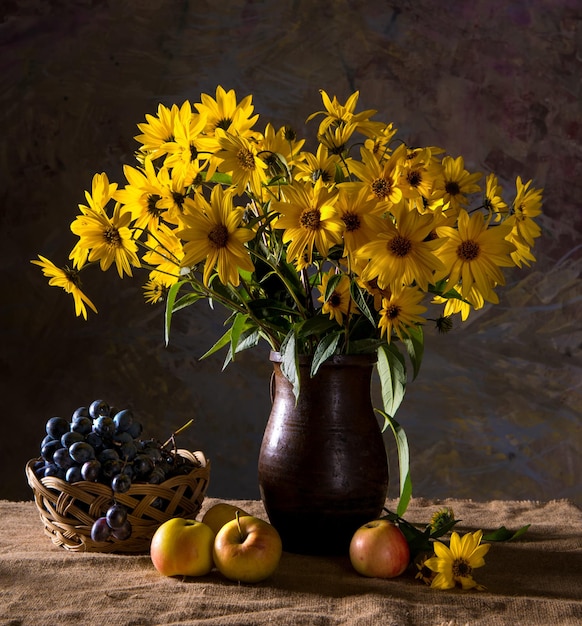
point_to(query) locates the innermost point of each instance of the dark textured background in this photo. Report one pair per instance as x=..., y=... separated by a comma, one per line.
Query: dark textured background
x=496, y=410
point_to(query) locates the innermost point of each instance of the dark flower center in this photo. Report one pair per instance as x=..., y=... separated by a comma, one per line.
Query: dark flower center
x=381, y=188
x=468, y=250
x=414, y=178
x=352, y=221
x=452, y=188
x=112, y=237
x=178, y=199
x=335, y=299
x=461, y=568
x=310, y=219
x=219, y=236
x=224, y=123
x=152, y=205
x=321, y=173
x=392, y=311
x=400, y=246
x=246, y=159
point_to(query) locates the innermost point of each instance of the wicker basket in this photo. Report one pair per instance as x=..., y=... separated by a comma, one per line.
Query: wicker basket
x=68, y=510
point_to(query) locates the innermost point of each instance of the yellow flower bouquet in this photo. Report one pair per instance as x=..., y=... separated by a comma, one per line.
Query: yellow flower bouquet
x=340, y=249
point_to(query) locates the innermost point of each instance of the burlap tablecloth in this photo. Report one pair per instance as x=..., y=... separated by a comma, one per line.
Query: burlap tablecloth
x=536, y=580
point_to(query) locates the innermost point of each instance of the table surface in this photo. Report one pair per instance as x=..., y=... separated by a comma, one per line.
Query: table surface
x=535, y=580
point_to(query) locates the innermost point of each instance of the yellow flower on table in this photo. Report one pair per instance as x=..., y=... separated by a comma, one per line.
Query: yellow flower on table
x=454, y=565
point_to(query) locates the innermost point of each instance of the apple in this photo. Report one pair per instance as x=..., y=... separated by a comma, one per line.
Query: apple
x=379, y=549
x=219, y=514
x=182, y=547
x=247, y=549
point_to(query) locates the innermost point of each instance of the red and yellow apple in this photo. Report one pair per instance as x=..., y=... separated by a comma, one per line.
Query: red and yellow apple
x=247, y=549
x=379, y=549
x=182, y=547
x=219, y=514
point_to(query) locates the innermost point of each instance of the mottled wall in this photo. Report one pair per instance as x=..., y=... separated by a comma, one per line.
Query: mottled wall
x=496, y=410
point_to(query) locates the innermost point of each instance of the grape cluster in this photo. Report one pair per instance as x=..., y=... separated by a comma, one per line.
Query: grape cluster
x=103, y=444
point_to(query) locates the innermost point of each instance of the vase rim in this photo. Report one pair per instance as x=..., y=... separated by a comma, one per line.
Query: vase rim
x=362, y=359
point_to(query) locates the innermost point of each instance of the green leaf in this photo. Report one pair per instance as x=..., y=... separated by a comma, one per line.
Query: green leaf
x=290, y=362
x=415, y=347
x=503, y=534
x=392, y=372
x=237, y=328
x=249, y=339
x=186, y=300
x=172, y=293
x=315, y=326
x=218, y=177
x=332, y=283
x=403, y=462
x=325, y=348
x=360, y=299
x=221, y=343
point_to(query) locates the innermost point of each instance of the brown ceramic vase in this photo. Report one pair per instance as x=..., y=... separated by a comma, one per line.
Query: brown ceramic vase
x=323, y=470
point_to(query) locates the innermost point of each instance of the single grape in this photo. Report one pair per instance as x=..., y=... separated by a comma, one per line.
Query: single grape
x=128, y=470
x=81, y=452
x=62, y=458
x=121, y=483
x=79, y=413
x=48, y=450
x=82, y=425
x=111, y=468
x=100, y=530
x=56, y=427
x=124, y=532
x=99, y=408
x=90, y=470
x=123, y=420
x=73, y=474
x=143, y=466
x=104, y=426
x=116, y=516
x=68, y=439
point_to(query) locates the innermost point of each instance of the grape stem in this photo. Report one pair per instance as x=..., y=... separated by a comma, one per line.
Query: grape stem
x=177, y=432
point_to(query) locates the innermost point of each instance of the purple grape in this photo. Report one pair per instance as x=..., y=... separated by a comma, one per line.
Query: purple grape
x=124, y=532
x=128, y=451
x=116, y=516
x=81, y=452
x=68, y=439
x=121, y=483
x=48, y=449
x=62, y=458
x=123, y=420
x=82, y=425
x=79, y=413
x=94, y=440
x=104, y=426
x=99, y=408
x=100, y=530
x=56, y=427
x=111, y=468
x=90, y=470
x=73, y=474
